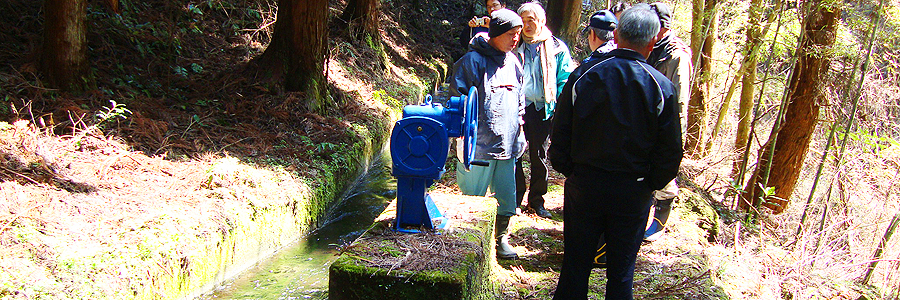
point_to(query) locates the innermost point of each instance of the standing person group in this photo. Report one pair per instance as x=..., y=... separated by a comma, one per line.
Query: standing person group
x=611, y=126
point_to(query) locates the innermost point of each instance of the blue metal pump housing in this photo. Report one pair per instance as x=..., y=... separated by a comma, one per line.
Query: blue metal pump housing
x=419, y=148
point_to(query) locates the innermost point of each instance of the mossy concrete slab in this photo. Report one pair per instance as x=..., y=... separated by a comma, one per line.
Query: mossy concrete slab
x=448, y=264
x=699, y=210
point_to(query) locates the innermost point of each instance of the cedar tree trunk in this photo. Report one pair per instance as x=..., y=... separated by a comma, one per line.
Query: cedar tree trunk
x=64, y=57
x=563, y=18
x=364, y=13
x=802, y=112
x=298, y=48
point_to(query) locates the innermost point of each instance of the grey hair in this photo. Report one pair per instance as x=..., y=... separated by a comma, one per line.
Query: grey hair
x=534, y=8
x=638, y=25
x=603, y=34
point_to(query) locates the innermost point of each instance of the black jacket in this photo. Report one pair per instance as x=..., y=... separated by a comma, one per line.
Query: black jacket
x=619, y=116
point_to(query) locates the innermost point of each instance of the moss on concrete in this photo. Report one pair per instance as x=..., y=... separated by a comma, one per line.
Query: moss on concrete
x=371, y=267
x=696, y=208
x=265, y=226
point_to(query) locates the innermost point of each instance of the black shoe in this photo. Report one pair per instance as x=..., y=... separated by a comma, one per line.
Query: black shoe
x=543, y=213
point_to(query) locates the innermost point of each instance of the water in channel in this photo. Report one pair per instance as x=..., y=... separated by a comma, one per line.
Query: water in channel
x=301, y=270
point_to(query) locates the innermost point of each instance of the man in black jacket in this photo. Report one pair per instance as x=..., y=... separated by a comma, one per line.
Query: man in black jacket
x=617, y=138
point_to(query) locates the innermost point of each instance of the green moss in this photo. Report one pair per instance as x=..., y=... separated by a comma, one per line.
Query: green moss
x=697, y=208
x=352, y=276
x=256, y=232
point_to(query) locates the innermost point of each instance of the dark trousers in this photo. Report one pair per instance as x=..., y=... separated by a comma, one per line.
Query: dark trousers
x=598, y=202
x=537, y=133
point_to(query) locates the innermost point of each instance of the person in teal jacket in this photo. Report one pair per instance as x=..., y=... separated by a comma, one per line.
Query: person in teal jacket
x=546, y=62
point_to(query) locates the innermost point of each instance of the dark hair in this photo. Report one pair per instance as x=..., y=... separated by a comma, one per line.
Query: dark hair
x=502, y=2
x=619, y=7
x=606, y=35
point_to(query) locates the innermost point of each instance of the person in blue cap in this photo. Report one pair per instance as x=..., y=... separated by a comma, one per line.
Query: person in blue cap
x=492, y=68
x=600, y=35
x=600, y=30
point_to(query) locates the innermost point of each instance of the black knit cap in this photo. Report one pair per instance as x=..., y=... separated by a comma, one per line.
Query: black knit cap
x=664, y=13
x=503, y=20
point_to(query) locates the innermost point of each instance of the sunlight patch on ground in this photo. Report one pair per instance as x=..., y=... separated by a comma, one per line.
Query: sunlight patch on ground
x=348, y=84
x=401, y=50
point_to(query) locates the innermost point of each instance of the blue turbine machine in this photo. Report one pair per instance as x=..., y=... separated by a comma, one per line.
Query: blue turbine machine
x=420, y=143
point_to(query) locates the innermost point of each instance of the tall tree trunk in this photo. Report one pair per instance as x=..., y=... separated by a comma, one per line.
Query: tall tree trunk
x=64, y=56
x=802, y=111
x=748, y=83
x=298, y=48
x=563, y=18
x=364, y=13
x=703, y=37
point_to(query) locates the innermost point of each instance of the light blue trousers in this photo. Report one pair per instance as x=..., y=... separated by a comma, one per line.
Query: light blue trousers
x=500, y=175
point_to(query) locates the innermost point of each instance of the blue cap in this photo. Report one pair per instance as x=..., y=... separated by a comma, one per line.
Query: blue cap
x=603, y=19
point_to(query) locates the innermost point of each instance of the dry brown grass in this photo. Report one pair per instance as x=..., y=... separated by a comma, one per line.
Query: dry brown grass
x=129, y=218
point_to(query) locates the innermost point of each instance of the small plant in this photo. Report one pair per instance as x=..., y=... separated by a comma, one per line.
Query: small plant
x=196, y=68
x=194, y=9
x=114, y=111
x=180, y=71
x=325, y=147
x=254, y=14
x=4, y=105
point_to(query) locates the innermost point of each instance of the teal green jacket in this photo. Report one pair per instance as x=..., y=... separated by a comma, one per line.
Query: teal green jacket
x=557, y=70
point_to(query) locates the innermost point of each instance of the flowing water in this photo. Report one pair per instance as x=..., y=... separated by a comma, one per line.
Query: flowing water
x=301, y=270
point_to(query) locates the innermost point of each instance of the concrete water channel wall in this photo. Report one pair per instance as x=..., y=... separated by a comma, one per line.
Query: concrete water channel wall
x=258, y=234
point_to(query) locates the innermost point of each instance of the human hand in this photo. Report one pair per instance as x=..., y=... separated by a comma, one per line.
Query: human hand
x=479, y=22
x=474, y=22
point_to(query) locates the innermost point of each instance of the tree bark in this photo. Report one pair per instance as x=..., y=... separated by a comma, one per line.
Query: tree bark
x=64, y=54
x=563, y=18
x=804, y=100
x=748, y=84
x=703, y=37
x=298, y=48
x=364, y=13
